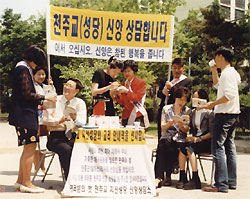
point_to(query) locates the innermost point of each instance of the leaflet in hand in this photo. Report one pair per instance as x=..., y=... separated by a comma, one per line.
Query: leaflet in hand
x=184, y=119
x=197, y=102
x=49, y=92
x=69, y=110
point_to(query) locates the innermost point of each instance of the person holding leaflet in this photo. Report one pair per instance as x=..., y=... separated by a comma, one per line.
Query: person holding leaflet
x=226, y=109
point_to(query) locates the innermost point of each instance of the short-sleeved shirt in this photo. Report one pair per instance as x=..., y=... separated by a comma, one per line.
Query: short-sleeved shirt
x=166, y=116
x=103, y=79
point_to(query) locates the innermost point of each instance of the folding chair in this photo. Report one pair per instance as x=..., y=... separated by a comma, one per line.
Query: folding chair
x=202, y=156
x=47, y=154
x=209, y=157
x=153, y=154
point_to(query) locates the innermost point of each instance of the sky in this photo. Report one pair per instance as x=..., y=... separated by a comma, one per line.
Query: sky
x=25, y=7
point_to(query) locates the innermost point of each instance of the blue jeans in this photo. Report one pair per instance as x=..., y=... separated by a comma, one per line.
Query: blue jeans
x=224, y=150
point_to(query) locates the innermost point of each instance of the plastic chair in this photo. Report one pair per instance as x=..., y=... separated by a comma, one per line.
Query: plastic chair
x=47, y=154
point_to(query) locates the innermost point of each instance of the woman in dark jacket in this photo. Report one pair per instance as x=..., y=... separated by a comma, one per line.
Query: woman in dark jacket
x=23, y=113
x=201, y=128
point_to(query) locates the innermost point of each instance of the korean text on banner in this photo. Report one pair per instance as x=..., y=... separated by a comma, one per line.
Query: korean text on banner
x=98, y=34
x=110, y=163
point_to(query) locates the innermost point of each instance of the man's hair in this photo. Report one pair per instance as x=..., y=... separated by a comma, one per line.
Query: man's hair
x=36, y=54
x=178, y=61
x=227, y=53
x=130, y=63
x=203, y=94
x=78, y=83
x=182, y=92
x=114, y=62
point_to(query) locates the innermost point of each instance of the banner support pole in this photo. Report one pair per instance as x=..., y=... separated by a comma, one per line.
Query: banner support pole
x=169, y=71
x=49, y=73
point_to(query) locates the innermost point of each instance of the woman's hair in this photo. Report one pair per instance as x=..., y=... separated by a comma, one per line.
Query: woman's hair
x=36, y=54
x=227, y=53
x=182, y=92
x=114, y=62
x=178, y=61
x=203, y=94
x=78, y=83
x=34, y=71
x=130, y=63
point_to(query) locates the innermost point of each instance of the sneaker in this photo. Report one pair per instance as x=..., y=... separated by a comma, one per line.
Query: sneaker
x=192, y=184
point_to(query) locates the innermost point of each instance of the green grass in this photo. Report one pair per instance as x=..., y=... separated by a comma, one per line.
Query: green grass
x=152, y=129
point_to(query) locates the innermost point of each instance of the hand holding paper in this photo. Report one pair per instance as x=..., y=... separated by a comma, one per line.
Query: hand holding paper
x=183, y=119
x=69, y=110
x=197, y=102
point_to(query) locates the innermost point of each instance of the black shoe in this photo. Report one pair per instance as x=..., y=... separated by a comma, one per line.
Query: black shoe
x=180, y=185
x=193, y=184
x=167, y=182
x=233, y=187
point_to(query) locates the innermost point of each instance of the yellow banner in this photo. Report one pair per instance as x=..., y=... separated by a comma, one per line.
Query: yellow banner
x=110, y=28
x=111, y=136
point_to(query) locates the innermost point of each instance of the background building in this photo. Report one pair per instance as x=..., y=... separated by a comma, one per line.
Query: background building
x=234, y=9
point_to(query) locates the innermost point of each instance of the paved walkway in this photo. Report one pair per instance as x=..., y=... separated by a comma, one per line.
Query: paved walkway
x=10, y=154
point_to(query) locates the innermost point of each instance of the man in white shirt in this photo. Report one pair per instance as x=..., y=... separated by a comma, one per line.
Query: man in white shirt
x=63, y=121
x=227, y=109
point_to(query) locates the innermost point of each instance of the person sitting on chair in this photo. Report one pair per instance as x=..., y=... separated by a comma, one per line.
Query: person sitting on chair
x=39, y=75
x=201, y=129
x=173, y=132
x=62, y=122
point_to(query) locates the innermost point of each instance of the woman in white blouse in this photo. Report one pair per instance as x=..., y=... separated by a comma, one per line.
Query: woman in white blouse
x=201, y=128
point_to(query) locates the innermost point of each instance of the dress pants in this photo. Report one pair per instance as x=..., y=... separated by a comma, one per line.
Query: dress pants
x=59, y=143
x=166, y=154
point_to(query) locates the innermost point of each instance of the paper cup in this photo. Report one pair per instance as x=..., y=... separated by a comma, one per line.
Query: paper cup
x=212, y=63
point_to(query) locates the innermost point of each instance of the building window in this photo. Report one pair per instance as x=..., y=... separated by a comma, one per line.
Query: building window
x=226, y=11
x=240, y=4
x=238, y=14
x=227, y=2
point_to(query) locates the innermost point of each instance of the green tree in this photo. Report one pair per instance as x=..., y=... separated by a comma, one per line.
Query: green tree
x=87, y=67
x=15, y=36
x=202, y=33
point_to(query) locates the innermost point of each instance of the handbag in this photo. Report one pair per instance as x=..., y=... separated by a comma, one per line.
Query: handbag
x=43, y=131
